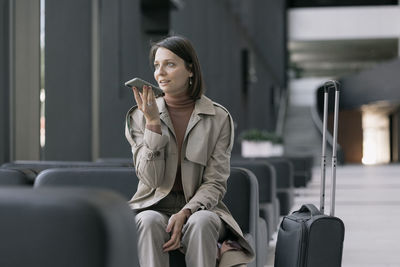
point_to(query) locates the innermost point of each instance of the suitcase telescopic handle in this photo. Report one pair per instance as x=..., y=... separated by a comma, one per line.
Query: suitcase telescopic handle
x=329, y=85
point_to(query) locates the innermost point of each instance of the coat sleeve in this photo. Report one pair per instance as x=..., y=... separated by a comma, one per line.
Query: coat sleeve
x=216, y=172
x=148, y=149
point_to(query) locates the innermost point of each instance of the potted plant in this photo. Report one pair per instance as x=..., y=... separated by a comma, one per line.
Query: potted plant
x=261, y=143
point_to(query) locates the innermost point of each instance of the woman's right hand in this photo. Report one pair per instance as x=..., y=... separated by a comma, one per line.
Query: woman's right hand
x=147, y=104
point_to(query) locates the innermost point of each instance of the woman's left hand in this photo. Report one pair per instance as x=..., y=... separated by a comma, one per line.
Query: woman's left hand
x=174, y=227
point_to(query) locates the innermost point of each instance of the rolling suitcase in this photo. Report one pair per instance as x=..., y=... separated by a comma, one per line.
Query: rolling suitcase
x=308, y=237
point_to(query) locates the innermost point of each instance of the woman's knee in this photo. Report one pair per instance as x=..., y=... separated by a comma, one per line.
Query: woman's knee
x=150, y=219
x=204, y=219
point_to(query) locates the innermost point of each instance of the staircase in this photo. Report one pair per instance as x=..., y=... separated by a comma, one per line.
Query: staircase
x=300, y=134
x=301, y=137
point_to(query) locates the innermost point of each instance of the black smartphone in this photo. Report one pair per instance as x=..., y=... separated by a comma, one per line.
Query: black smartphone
x=138, y=83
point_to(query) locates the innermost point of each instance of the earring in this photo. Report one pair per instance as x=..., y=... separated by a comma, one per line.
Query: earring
x=190, y=81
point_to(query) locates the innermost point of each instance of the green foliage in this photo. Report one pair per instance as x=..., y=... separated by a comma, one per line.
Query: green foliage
x=260, y=135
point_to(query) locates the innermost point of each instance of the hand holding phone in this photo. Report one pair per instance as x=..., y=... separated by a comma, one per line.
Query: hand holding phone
x=139, y=83
x=145, y=100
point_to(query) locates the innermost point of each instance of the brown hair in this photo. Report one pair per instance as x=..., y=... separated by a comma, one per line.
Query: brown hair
x=182, y=47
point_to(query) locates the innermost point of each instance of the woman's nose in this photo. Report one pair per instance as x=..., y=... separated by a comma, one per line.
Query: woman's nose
x=160, y=71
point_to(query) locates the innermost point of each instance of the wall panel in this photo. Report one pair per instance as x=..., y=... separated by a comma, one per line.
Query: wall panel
x=4, y=82
x=68, y=77
x=124, y=55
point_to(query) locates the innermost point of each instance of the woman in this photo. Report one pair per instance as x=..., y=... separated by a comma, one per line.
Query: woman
x=181, y=146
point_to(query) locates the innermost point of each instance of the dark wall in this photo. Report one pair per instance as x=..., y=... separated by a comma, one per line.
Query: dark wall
x=241, y=45
x=242, y=50
x=121, y=54
x=124, y=41
x=212, y=26
x=68, y=80
x=127, y=29
x=381, y=83
x=4, y=82
x=395, y=135
x=268, y=30
x=209, y=26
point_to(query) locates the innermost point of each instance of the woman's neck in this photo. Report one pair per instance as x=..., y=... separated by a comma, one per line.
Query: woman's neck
x=178, y=101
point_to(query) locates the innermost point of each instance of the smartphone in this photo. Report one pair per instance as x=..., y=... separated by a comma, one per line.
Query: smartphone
x=138, y=83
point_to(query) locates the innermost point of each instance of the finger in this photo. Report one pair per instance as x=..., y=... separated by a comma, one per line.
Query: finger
x=150, y=96
x=174, y=236
x=168, y=244
x=170, y=225
x=172, y=244
x=145, y=94
x=172, y=247
x=138, y=99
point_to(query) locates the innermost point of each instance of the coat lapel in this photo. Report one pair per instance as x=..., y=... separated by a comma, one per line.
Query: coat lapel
x=202, y=106
x=164, y=115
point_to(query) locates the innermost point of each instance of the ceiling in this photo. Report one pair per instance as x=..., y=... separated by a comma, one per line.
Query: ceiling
x=336, y=58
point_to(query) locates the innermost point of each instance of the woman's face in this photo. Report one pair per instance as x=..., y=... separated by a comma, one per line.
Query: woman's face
x=170, y=72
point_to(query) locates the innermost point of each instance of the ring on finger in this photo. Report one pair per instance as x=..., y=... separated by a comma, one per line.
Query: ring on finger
x=149, y=103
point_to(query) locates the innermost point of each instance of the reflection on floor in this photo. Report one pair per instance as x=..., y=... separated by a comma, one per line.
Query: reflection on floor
x=368, y=202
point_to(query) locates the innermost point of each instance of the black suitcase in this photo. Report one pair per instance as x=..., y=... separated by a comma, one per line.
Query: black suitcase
x=308, y=237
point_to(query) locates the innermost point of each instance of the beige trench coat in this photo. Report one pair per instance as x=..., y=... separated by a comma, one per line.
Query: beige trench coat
x=205, y=164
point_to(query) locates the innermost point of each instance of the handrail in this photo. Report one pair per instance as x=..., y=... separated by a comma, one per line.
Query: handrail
x=316, y=117
x=318, y=123
x=282, y=111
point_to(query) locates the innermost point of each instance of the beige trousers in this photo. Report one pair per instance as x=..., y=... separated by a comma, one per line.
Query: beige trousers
x=199, y=239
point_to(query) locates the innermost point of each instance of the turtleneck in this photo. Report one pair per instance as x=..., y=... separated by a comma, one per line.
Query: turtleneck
x=180, y=108
x=180, y=101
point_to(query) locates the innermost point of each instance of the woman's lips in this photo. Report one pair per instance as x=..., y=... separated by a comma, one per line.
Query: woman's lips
x=163, y=82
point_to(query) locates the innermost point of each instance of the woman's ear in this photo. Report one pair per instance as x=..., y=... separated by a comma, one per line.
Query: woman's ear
x=190, y=69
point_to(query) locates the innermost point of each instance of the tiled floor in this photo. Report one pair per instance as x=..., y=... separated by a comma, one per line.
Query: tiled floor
x=368, y=202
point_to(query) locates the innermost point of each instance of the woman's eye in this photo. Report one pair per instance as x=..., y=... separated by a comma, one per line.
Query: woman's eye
x=170, y=64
